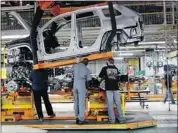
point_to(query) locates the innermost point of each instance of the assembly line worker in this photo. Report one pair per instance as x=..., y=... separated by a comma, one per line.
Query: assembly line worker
x=39, y=79
x=168, y=84
x=81, y=76
x=110, y=74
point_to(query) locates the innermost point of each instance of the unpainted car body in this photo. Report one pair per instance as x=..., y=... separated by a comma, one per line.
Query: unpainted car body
x=129, y=27
x=129, y=30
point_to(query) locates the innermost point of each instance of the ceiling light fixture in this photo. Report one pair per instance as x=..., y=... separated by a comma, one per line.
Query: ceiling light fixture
x=125, y=54
x=118, y=58
x=126, y=51
x=149, y=43
x=14, y=37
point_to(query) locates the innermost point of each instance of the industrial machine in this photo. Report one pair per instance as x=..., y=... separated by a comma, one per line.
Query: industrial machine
x=16, y=104
x=22, y=113
x=119, y=26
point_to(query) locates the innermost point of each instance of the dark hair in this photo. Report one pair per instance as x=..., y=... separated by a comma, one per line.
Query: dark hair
x=85, y=61
x=111, y=60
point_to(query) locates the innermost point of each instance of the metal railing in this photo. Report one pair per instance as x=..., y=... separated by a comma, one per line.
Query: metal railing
x=156, y=18
x=9, y=23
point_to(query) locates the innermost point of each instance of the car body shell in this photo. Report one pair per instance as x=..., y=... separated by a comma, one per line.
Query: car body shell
x=126, y=22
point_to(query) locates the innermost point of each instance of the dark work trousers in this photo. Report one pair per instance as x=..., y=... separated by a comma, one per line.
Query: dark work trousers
x=37, y=99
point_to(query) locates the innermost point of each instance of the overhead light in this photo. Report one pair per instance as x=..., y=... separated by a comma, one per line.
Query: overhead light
x=160, y=50
x=125, y=51
x=17, y=8
x=118, y=58
x=148, y=43
x=138, y=47
x=14, y=37
x=139, y=50
x=125, y=54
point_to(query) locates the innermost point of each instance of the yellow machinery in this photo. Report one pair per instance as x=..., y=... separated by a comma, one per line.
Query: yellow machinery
x=96, y=105
x=174, y=87
x=96, y=113
x=16, y=105
x=19, y=109
x=3, y=61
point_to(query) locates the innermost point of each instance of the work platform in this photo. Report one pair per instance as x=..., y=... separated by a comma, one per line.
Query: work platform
x=134, y=120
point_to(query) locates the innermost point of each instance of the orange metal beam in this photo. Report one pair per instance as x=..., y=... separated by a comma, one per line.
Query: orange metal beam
x=92, y=57
x=70, y=9
x=45, y=4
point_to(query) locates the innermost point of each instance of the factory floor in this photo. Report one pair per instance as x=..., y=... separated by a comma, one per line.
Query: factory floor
x=167, y=120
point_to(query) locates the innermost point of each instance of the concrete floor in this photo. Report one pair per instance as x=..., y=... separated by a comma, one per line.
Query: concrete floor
x=167, y=120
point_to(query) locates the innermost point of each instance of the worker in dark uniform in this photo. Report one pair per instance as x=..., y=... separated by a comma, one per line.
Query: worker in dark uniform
x=168, y=84
x=110, y=74
x=39, y=79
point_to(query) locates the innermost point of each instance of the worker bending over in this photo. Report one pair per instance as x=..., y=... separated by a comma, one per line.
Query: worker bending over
x=111, y=76
x=81, y=76
x=39, y=79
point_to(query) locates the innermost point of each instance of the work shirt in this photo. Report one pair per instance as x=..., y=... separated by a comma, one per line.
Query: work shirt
x=81, y=74
x=39, y=79
x=110, y=74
